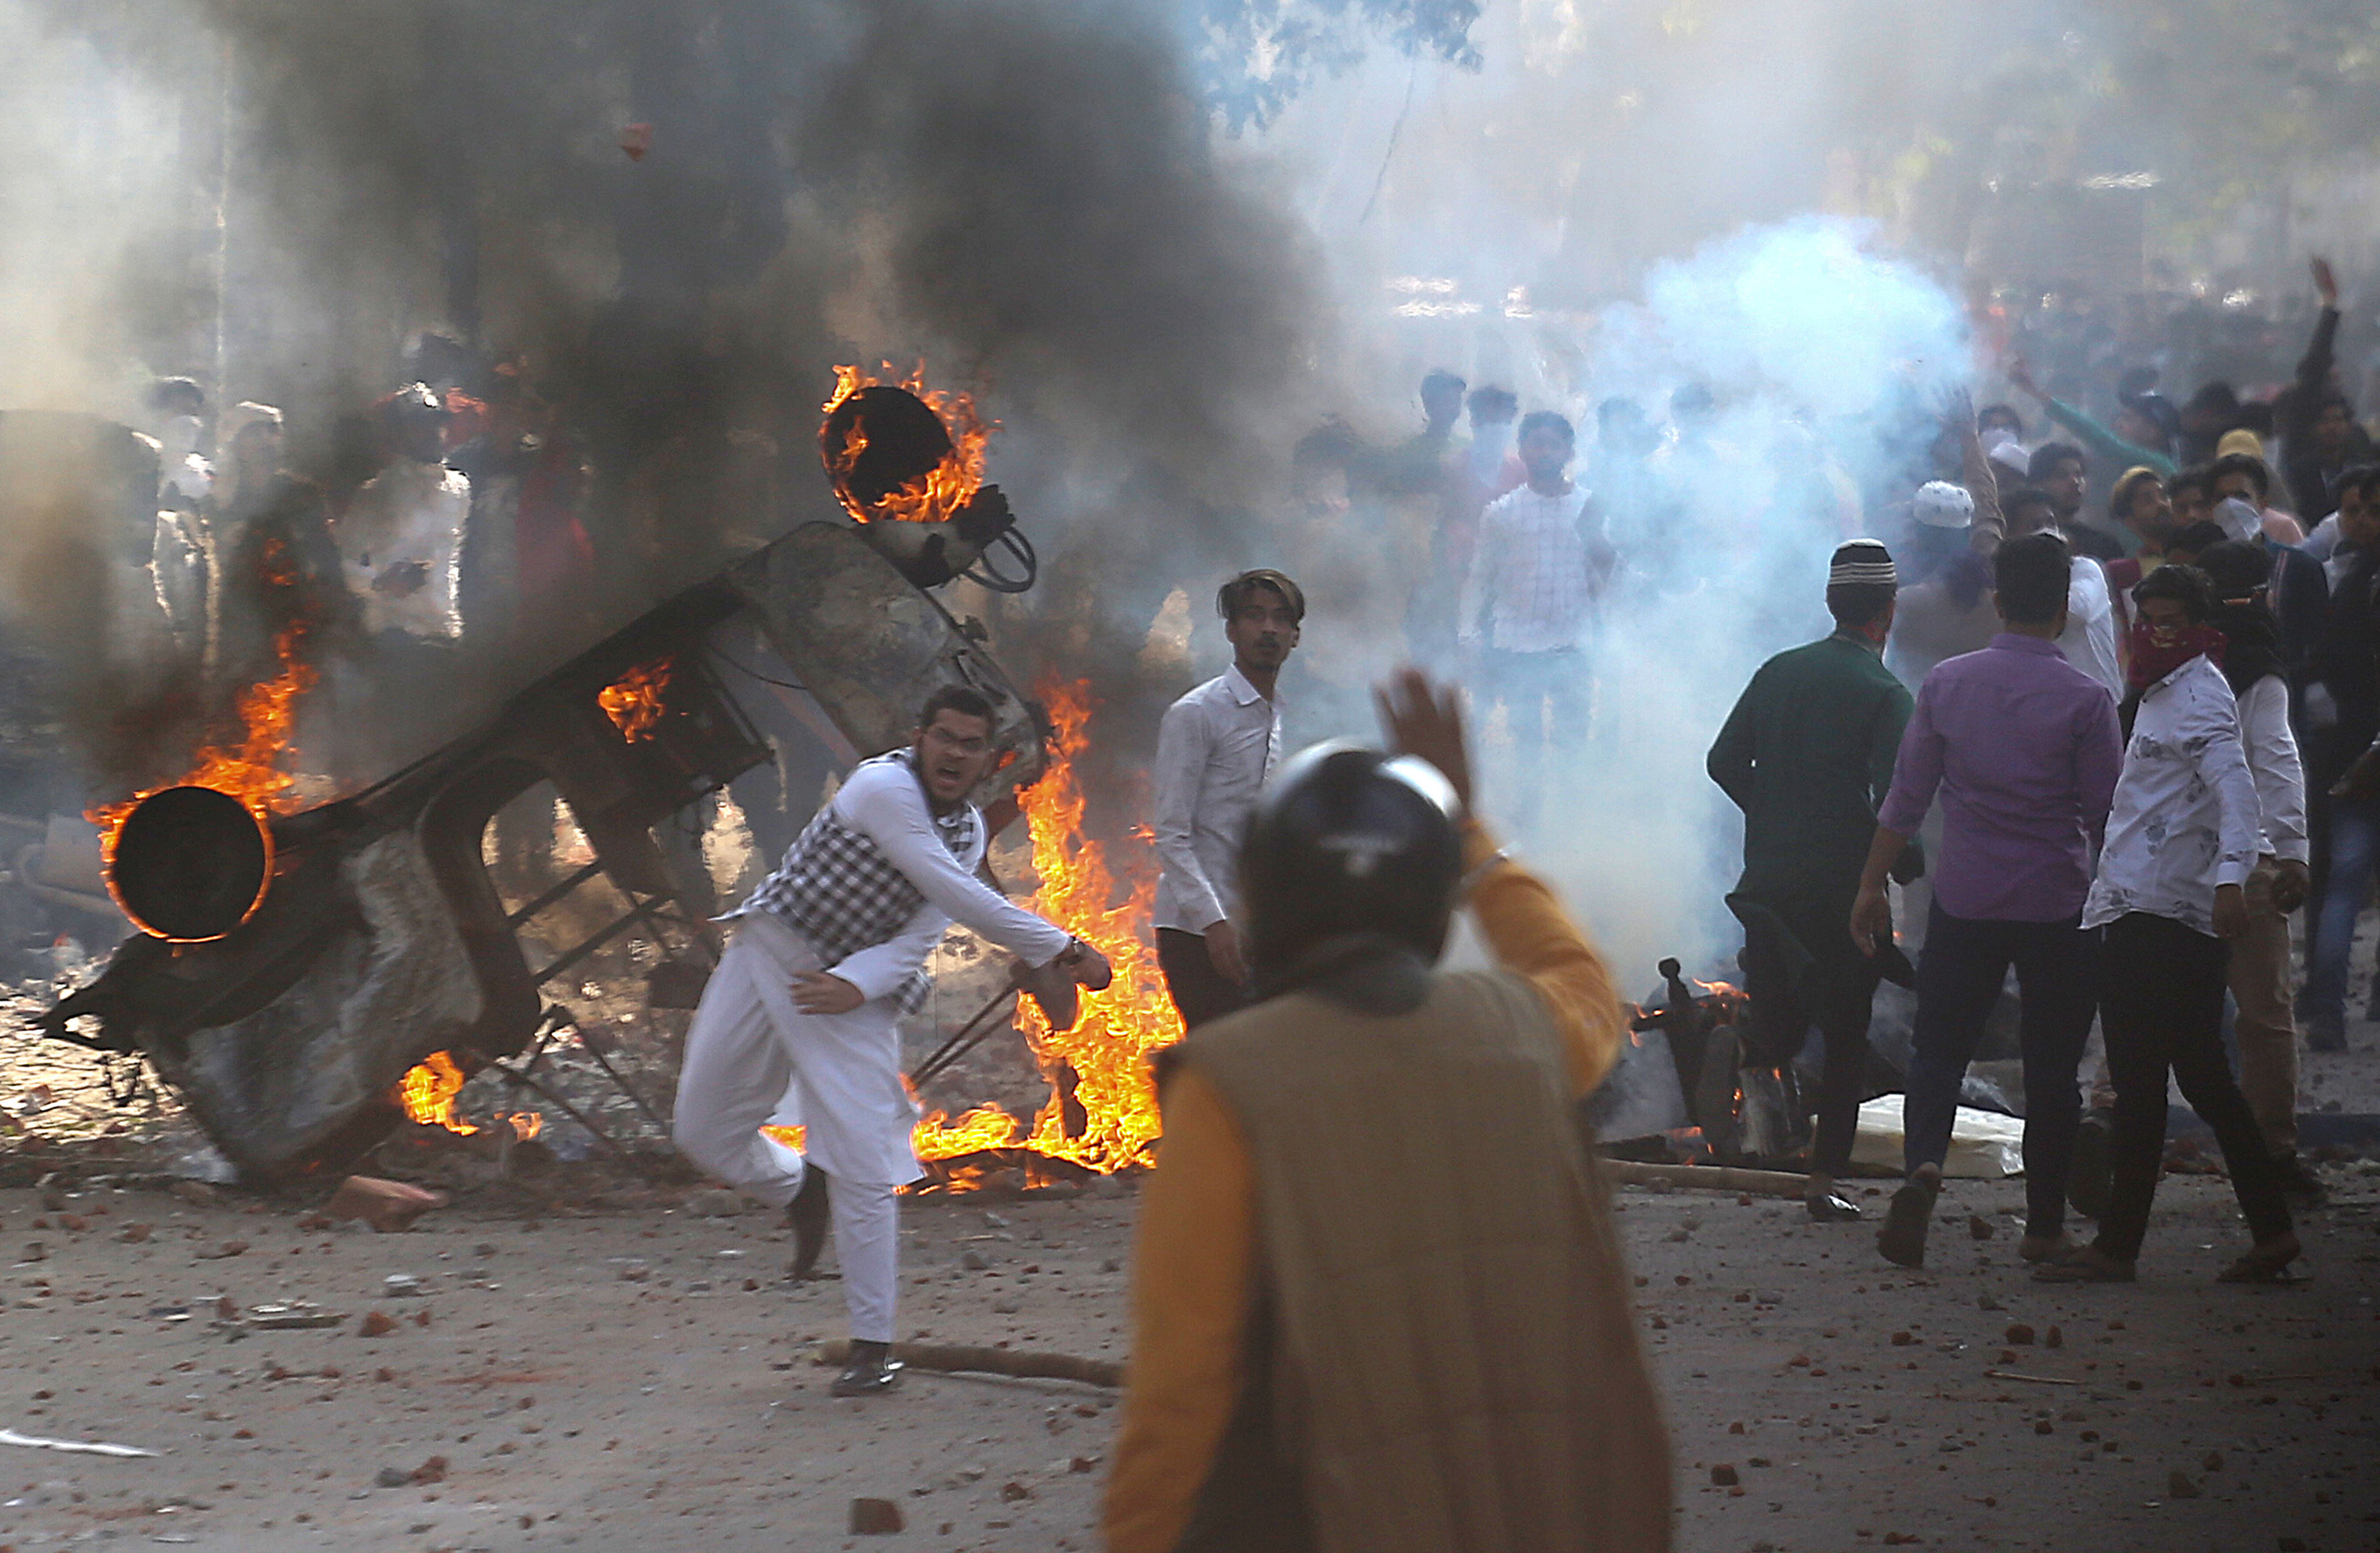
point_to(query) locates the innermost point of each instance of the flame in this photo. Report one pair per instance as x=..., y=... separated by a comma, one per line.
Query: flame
x=950, y=485
x=633, y=701
x=527, y=1124
x=247, y=771
x=428, y=1094
x=790, y=1137
x=1108, y=1050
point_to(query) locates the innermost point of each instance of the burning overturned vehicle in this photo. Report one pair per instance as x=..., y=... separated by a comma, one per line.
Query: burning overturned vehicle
x=307, y=973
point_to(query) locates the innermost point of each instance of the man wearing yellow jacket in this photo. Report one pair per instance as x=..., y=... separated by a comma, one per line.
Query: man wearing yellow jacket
x=1378, y=1307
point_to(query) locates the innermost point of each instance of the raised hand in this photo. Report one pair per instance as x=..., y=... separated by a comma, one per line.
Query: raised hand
x=1425, y=720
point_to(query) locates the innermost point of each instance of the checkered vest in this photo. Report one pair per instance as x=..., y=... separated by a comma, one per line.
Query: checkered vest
x=841, y=892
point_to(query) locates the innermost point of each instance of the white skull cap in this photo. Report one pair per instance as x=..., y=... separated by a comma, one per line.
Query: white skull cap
x=1940, y=505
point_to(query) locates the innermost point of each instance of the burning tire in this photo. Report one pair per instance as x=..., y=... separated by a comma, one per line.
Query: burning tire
x=190, y=864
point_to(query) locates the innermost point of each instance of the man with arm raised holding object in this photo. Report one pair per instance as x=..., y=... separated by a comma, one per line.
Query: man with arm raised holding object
x=827, y=953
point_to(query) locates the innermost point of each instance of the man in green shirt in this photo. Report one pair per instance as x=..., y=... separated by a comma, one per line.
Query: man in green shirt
x=1808, y=754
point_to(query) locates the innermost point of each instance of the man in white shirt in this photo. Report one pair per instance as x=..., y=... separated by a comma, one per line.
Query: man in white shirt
x=805, y=1006
x=2261, y=965
x=1537, y=570
x=2184, y=836
x=401, y=538
x=1215, y=749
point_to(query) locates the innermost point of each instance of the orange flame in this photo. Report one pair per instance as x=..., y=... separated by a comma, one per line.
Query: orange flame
x=633, y=701
x=527, y=1124
x=249, y=771
x=1109, y=1048
x=950, y=485
x=428, y=1094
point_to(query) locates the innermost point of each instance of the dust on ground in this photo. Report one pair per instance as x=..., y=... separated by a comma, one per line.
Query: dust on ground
x=635, y=1376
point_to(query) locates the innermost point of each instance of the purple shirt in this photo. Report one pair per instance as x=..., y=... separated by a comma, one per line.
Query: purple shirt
x=2025, y=748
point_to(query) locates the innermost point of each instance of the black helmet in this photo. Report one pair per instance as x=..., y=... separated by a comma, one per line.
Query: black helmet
x=1348, y=842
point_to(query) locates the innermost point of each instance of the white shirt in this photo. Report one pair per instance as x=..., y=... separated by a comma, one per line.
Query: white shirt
x=1531, y=557
x=1215, y=749
x=884, y=801
x=2186, y=820
x=2273, y=762
x=409, y=512
x=2089, y=639
x=2324, y=540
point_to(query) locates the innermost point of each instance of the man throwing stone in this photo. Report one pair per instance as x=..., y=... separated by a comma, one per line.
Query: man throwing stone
x=827, y=953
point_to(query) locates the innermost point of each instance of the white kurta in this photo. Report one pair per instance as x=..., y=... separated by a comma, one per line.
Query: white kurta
x=750, y=1053
x=752, y=1057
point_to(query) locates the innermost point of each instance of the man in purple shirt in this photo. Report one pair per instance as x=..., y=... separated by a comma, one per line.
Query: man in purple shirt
x=2023, y=750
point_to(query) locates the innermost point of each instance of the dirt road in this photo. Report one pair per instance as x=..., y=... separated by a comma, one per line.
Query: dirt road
x=636, y=1380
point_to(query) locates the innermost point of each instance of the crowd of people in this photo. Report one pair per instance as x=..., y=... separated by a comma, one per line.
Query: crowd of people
x=446, y=515
x=2115, y=756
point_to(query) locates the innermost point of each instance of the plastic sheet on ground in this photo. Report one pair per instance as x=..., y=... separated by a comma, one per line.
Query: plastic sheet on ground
x=1985, y=1146
x=78, y=1447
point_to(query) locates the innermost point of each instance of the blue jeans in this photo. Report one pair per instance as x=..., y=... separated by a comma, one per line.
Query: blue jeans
x=2354, y=844
x=1959, y=973
x=1547, y=697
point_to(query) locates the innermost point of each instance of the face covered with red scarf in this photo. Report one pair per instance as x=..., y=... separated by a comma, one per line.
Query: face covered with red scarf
x=2165, y=637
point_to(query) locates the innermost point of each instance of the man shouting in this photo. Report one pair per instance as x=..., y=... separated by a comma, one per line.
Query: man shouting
x=827, y=953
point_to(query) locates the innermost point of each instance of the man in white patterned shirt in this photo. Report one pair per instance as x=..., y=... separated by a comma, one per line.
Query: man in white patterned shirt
x=1538, y=568
x=1215, y=749
x=2184, y=836
x=806, y=1004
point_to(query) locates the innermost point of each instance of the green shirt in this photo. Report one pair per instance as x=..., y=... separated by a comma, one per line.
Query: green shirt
x=2101, y=441
x=1807, y=754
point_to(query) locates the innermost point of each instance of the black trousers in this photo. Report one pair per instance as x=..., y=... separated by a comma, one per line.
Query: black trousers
x=1958, y=979
x=1838, y=997
x=1198, y=990
x=2161, y=1009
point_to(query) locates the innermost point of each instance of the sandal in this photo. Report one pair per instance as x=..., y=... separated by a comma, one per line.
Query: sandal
x=2268, y=1263
x=1832, y=1208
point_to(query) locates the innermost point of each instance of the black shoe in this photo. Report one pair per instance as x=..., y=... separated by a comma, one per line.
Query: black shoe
x=806, y=1216
x=871, y=1369
x=2301, y=1186
x=1831, y=1208
x=1902, y=1239
x=2087, y=1180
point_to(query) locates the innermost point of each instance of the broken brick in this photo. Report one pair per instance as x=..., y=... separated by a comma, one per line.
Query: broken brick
x=386, y=1205
x=875, y=1518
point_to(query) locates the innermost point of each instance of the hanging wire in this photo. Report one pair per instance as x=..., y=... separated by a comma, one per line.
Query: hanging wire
x=754, y=674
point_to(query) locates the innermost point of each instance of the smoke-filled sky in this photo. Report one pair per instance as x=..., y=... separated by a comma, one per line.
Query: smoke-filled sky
x=1157, y=284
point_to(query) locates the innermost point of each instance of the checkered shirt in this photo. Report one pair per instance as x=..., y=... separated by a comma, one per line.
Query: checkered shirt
x=845, y=895
x=1532, y=562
